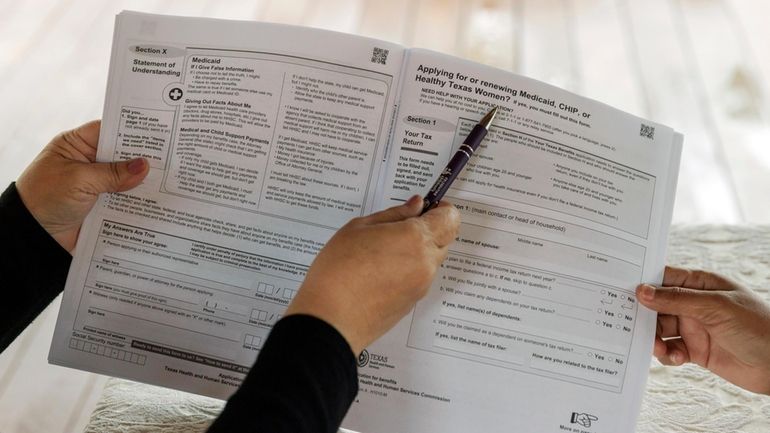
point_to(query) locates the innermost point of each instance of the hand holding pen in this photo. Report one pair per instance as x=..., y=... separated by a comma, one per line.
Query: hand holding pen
x=457, y=162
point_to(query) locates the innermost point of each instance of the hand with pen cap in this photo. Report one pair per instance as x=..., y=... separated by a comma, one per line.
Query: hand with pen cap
x=714, y=322
x=375, y=268
x=62, y=184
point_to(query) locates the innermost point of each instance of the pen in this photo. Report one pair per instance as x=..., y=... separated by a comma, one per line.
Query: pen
x=457, y=162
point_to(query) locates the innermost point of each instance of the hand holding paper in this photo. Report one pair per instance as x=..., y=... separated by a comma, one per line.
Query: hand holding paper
x=714, y=322
x=62, y=184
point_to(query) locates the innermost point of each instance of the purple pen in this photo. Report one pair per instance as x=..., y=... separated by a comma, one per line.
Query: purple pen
x=457, y=162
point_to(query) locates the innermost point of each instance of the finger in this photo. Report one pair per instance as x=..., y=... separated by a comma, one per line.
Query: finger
x=115, y=176
x=84, y=139
x=680, y=301
x=695, y=279
x=673, y=276
x=443, y=221
x=659, y=348
x=411, y=208
x=668, y=326
x=89, y=132
x=676, y=353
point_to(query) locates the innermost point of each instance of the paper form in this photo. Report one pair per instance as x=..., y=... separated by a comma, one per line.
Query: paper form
x=259, y=152
x=264, y=139
x=532, y=320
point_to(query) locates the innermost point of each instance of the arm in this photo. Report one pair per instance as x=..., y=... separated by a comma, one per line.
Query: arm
x=366, y=278
x=304, y=381
x=40, y=216
x=33, y=267
x=714, y=322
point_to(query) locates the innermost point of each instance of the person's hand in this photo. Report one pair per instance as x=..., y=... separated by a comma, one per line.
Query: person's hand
x=62, y=184
x=375, y=268
x=716, y=323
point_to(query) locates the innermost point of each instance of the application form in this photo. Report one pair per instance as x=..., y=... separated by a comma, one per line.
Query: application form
x=532, y=320
x=258, y=154
x=264, y=139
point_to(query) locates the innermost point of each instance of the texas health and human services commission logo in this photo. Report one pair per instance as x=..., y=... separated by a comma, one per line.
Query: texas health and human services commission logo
x=374, y=361
x=363, y=358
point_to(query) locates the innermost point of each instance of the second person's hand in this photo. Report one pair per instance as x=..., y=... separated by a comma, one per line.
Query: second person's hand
x=714, y=322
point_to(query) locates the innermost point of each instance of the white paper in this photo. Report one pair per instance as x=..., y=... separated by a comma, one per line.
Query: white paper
x=531, y=324
x=264, y=139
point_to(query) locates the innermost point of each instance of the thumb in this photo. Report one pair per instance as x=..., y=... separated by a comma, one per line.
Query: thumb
x=411, y=208
x=681, y=301
x=117, y=176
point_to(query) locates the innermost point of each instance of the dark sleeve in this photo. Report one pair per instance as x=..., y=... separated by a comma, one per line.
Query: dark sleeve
x=33, y=267
x=304, y=380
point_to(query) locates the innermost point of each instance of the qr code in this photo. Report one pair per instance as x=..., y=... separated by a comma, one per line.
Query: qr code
x=647, y=131
x=379, y=55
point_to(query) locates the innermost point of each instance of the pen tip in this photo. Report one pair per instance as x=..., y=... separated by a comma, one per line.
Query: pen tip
x=486, y=121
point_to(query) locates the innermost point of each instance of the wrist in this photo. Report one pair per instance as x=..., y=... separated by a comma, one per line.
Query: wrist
x=350, y=336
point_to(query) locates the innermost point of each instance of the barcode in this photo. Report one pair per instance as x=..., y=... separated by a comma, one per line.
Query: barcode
x=647, y=131
x=379, y=55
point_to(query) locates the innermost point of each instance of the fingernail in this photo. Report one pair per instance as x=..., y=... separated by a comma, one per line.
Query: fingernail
x=676, y=358
x=647, y=292
x=136, y=166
